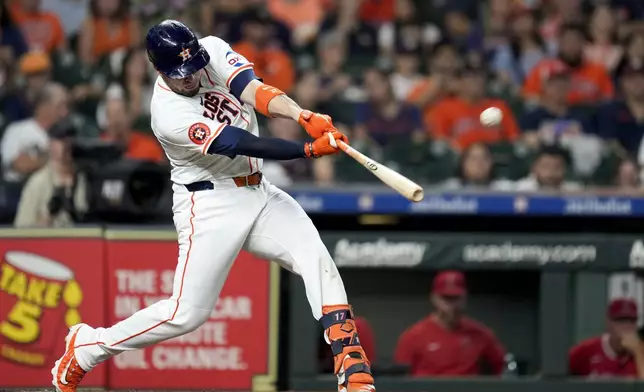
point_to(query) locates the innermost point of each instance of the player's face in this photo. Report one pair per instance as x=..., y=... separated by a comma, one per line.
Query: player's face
x=449, y=308
x=188, y=86
x=618, y=327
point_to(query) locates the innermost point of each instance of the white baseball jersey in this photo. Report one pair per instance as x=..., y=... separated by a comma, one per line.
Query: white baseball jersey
x=187, y=126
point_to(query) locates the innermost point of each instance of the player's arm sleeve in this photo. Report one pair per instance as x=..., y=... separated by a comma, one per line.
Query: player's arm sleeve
x=404, y=353
x=231, y=68
x=233, y=141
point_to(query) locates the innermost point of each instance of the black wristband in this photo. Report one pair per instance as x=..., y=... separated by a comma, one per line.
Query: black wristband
x=311, y=153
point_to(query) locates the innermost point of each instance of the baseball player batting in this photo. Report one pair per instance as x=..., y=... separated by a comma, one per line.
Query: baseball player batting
x=203, y=114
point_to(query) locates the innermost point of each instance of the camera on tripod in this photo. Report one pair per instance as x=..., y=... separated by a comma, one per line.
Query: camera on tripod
x=120, y=189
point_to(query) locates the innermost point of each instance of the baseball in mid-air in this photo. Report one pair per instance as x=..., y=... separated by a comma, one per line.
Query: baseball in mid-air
x=491, y=117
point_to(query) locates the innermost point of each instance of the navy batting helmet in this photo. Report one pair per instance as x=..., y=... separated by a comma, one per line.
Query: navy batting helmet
x=175, y=50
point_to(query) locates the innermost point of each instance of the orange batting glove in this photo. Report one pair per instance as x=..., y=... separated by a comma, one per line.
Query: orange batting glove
x=326, y=145
x=315, y=124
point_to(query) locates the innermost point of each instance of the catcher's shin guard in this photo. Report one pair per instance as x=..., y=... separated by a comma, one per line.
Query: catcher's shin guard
x=351, y=364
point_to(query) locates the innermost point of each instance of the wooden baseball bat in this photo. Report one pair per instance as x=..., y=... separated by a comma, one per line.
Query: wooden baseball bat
x=393, y=179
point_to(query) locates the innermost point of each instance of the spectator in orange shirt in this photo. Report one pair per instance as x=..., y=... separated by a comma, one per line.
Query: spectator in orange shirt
x=303, y=17
x=590, y=82
x=108, y=29
x=41, y=29
x=617, y=353
x=447, y=343
x=444, y=64
x=118, y=130
x=272, y=64
x=456, y=119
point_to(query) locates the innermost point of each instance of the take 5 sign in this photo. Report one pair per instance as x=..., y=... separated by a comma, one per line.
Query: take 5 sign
x=50, y=280
x=228, y=352
x=46, y=285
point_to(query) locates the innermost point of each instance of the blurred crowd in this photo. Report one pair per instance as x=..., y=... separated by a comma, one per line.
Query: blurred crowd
x=406, y=79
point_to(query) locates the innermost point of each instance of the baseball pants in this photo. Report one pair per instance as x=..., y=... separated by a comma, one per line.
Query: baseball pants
x=213, y=226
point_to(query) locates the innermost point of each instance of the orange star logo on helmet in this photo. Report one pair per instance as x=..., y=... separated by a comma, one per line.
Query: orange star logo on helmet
x=185, y=54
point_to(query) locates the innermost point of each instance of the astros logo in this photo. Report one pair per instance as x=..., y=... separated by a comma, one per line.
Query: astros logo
x=199, y=133
x=185, y=54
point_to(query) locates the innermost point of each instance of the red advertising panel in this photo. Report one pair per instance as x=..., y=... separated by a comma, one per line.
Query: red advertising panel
x=46, y=285
x=225, y=353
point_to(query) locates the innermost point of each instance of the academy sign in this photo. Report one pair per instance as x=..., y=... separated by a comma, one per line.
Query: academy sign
x=509, y=252
x=379, y=252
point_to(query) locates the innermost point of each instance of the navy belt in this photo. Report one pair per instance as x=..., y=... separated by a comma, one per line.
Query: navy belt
x=200, y=186
x=250, y=180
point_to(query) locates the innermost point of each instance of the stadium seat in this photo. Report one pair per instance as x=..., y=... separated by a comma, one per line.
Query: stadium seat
x=511, y=160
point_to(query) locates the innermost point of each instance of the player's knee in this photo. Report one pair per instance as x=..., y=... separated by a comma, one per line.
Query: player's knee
x=188, y=318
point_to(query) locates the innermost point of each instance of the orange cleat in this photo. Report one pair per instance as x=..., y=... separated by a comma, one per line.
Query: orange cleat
x=66, y=371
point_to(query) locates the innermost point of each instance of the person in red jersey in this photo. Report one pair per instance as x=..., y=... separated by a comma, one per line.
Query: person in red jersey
x=448, y=343
x=617, y=353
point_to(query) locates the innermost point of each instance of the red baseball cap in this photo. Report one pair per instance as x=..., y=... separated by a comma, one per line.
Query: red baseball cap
x=450, y=284
x=622, y=308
